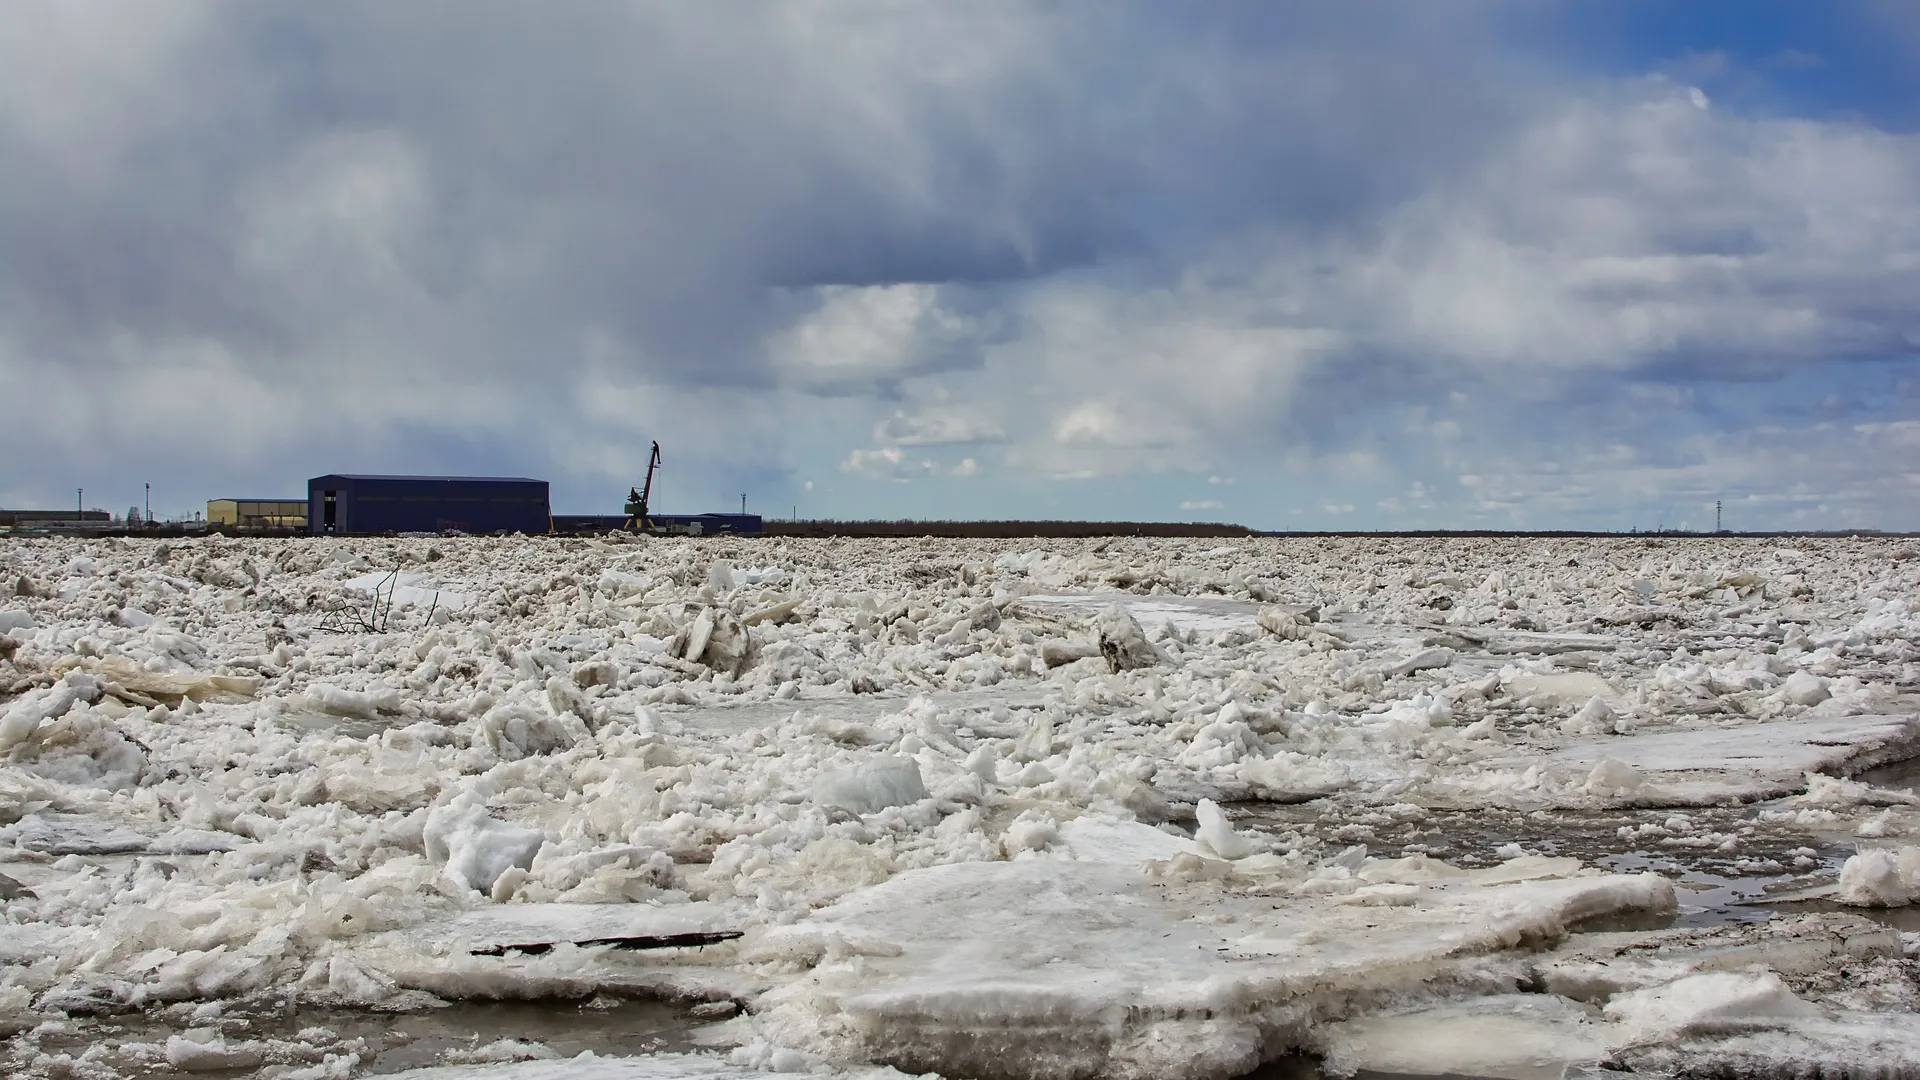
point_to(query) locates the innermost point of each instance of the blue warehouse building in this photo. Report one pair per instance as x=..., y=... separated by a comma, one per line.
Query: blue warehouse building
x=340, y=504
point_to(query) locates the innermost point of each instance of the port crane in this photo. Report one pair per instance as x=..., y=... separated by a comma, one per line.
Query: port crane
x=636, y=507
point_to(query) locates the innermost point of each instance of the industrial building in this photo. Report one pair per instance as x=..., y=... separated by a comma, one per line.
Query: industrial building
x=62, y=521
x=258, y=513
x=340, y=504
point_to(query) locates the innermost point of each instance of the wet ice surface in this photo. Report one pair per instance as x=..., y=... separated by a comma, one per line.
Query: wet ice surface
x=1121, y=808
x=384, y=1043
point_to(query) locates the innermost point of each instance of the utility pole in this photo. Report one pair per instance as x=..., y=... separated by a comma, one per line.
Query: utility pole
x=743, y=504
x=149, y=487
x=1716, y=515
x=79, y=503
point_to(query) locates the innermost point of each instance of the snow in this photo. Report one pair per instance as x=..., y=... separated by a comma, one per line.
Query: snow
x=970, y=806
x=872, y=786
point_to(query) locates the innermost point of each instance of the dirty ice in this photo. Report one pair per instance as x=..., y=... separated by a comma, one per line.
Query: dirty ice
x=640, y=807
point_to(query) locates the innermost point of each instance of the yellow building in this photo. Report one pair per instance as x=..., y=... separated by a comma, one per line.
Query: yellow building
x=258, y=513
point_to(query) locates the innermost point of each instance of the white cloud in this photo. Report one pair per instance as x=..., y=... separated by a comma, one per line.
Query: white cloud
x=967, y=467
x=1203, y=504
x=1338, y=508
x=888, y=463
x=938, y=427
x=445, y=280
x=861, y=338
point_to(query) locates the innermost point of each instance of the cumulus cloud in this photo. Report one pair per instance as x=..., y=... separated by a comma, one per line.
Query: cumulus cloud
x=1126, y=240
x=1203, y=504
x=938, y=427
x=888, y=463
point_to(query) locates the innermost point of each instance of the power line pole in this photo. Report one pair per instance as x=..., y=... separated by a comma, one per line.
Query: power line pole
x=1716, y=515
x=79, y=503
x=149, y=487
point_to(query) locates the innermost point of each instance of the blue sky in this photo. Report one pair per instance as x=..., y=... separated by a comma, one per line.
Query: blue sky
x=1370, y=264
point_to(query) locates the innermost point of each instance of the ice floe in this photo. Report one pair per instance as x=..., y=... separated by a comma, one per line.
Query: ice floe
x=963, y=806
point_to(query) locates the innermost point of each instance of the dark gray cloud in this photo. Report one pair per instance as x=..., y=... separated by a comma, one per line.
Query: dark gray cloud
x=1120, y=237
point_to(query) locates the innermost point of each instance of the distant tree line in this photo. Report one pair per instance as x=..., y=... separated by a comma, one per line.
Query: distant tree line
x=1004, y=530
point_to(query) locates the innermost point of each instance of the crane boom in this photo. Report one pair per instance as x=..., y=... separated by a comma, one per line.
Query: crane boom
x=637, y=501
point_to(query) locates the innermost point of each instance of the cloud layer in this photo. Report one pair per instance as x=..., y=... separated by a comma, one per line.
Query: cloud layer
x=1379, y=263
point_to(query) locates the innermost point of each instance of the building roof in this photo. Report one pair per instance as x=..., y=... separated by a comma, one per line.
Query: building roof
x=301, y=499
x=455, y=479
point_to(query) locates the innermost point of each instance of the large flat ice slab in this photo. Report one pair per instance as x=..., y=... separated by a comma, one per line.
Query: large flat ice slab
x=589, y=1067
x=577, y=951
x=1050, y=968
x=1750, y=761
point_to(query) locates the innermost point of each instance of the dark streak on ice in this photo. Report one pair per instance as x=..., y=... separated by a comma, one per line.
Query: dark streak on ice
x=644, y=941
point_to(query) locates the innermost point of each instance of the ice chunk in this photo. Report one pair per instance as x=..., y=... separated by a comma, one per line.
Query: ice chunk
x=1611, y=777
x=1805, y=688
x=872, y=786
x=1596, y=717
x=587, y=1066
x=1287, y=623
x=19, y=723
x=1714, y=1001
x=717, y=638
x=1051, y=967
x=367, y=705
x=1423, y=661
x=1096, y=838
x=1749, y=761
x=1218, y=834
x=15, y=619
x=1560, y=689
x=207, y=1050
x=474, y=847
x=1880, y=878
x=409, y=589
x=491, y=930
x=1122, y=642
x=1510, y=1036
x=124, y=678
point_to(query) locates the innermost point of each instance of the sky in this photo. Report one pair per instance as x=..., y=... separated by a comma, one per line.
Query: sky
x=1359, y=264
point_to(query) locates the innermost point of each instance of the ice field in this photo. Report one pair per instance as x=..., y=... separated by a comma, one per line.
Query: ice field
x=646, y=807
